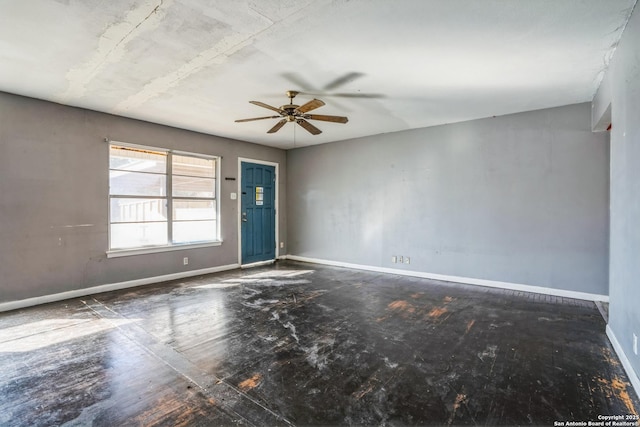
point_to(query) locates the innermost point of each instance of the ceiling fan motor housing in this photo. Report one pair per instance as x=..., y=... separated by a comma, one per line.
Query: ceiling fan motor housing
x=290, y=108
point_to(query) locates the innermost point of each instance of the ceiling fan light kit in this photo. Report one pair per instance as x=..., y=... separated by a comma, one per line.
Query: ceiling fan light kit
x=296, y=113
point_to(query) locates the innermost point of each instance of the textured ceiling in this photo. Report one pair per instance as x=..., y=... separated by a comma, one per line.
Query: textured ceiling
x=387, y=65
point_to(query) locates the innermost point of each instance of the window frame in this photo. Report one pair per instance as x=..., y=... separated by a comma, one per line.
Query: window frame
x=113, y=253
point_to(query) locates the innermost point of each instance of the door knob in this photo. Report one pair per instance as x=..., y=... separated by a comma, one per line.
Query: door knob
x=244, y=217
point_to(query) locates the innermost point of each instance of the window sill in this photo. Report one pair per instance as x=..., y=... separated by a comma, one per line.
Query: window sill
x=157, y=249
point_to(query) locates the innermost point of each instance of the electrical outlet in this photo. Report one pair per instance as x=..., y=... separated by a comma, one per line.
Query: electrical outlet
x=281, y=245
x=635, y=344
x=185, y=260
x=407, y=260
x=400, y=260
x=394, y=259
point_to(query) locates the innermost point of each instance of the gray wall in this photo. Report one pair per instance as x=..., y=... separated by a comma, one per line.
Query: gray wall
x=624, y=80
x=54, y=177
x=520, y=198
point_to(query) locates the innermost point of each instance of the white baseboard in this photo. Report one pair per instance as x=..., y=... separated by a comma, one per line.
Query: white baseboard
x=459, y=279
x=29, y=302
x=626, y=364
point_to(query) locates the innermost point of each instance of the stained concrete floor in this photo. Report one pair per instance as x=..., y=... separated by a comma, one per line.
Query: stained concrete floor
x=301, y=344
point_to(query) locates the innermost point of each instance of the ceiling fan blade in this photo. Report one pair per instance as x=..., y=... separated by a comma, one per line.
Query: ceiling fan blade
x=297, y=80
x=342, y=80
x=311, y=105
x=277, y=127
x=357, y=95
x=334, y=119
x=262, y=104
x=257, y=118
x=308, y=126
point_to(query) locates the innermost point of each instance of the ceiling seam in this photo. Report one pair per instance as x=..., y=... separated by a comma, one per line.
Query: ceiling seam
x=193, y=66
x=608, y=58
x=80, y=77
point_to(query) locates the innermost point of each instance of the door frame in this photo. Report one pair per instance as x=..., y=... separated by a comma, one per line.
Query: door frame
x=276, y=206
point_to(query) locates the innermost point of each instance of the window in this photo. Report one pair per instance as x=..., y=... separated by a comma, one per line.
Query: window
x=161, y=198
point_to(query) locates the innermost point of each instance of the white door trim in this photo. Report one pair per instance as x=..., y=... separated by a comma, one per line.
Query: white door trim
x=277, y=204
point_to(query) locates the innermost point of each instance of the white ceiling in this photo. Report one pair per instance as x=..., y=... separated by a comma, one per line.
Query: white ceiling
x=195, y=64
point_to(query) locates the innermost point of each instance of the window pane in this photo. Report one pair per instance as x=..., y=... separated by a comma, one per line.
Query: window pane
x=193, y=166
x=194, y=209
x=136, y=184
x=186, y=186
x=194, y=231
x=126, y=236
x=138, y=210
x=139, y=198
x=134, y=159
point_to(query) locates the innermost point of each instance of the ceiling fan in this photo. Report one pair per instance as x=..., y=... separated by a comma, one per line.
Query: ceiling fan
x=296, y=113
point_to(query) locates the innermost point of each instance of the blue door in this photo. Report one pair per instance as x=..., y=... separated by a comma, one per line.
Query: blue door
x=258, y=213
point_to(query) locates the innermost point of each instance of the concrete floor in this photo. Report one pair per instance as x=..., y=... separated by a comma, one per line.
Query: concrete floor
x=300, y=344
